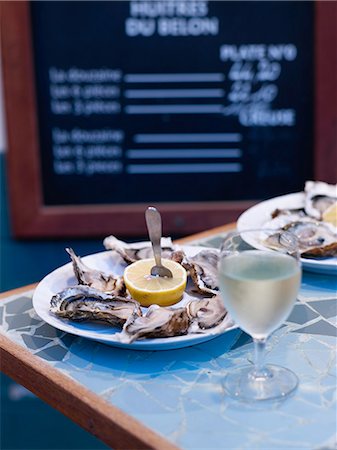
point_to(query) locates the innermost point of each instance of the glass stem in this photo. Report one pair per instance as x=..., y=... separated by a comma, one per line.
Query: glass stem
x=260, y=371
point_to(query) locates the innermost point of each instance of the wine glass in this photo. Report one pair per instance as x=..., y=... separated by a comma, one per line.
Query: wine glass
x=259, y=287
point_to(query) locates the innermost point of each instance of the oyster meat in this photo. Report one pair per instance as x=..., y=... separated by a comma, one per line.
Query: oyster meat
x=81, y=303
x=318, y=197
x=95, y=278
x=205, y=313
x=315, y=239
x=131, y=253
x=202, y=268
x=157, y=322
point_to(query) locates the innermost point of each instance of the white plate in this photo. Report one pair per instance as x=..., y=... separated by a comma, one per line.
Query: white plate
x=109, y=261
x=258, y=215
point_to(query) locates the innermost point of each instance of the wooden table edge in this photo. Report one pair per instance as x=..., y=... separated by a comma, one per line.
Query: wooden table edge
x=105, y=421
x=17, y=291
x=206, y=234
x=89, y=410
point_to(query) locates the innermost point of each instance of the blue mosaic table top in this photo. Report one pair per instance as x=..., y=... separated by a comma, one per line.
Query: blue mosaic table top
x=179, y=393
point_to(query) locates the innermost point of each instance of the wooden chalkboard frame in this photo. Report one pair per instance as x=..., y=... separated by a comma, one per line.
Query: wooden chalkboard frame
x=31, y=218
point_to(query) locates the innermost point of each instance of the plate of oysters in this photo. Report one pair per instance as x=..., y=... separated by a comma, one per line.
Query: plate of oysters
x=311, y=215
x=88, y=297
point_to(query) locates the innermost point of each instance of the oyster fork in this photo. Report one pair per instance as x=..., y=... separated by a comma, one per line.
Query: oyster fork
x=154, y=227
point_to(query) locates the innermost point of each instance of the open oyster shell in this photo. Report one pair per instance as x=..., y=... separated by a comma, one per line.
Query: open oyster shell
x=202, y=268
x=157, y=322
x=96, y=278
x=81, y=303
x=205, y=313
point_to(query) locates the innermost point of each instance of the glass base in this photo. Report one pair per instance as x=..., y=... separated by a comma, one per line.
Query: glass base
x=275, y=382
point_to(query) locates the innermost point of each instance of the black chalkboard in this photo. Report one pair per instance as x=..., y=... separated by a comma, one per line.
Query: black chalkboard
x=200, y=108
x=211, y=101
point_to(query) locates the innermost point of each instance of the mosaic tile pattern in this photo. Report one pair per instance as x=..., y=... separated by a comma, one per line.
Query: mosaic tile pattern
x=179, y=393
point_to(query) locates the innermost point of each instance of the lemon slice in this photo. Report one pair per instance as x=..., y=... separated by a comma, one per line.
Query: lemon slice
x=330, y=214
x=159, y=290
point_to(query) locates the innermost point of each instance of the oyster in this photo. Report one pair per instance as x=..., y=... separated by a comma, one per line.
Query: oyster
x=131, y=253
x=95, y=278
x=206, y=313
x=202, y=269
x=282, y=220
x=315, y=239
x=318, y=197
x=299, y=212
x=178, y=256
x=157, y=322
x=81, y=303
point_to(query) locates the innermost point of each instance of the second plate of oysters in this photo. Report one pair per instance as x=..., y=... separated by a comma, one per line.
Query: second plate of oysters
x=304, y=214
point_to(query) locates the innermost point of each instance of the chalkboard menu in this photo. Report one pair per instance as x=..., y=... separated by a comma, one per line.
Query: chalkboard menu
x=199, y=107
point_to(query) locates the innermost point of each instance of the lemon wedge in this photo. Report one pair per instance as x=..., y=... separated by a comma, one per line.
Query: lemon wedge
x=330, y=214
x=159, y=290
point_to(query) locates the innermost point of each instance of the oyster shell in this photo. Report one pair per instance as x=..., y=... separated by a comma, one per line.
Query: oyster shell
x=318, y=197
x=202, y=269
x=299, y=212
x=315, y=239
x=205, y=313
x=131, y=253
x=157, y=322
x=95, y=278
x=81, y=303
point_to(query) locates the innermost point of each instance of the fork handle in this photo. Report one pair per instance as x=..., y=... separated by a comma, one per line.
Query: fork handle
x=154, y=227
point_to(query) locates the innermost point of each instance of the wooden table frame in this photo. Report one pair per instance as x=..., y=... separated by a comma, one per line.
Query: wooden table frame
x=108, y=423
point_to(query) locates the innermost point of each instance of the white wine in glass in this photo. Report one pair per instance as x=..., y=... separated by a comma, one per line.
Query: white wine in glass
x=259, y=289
